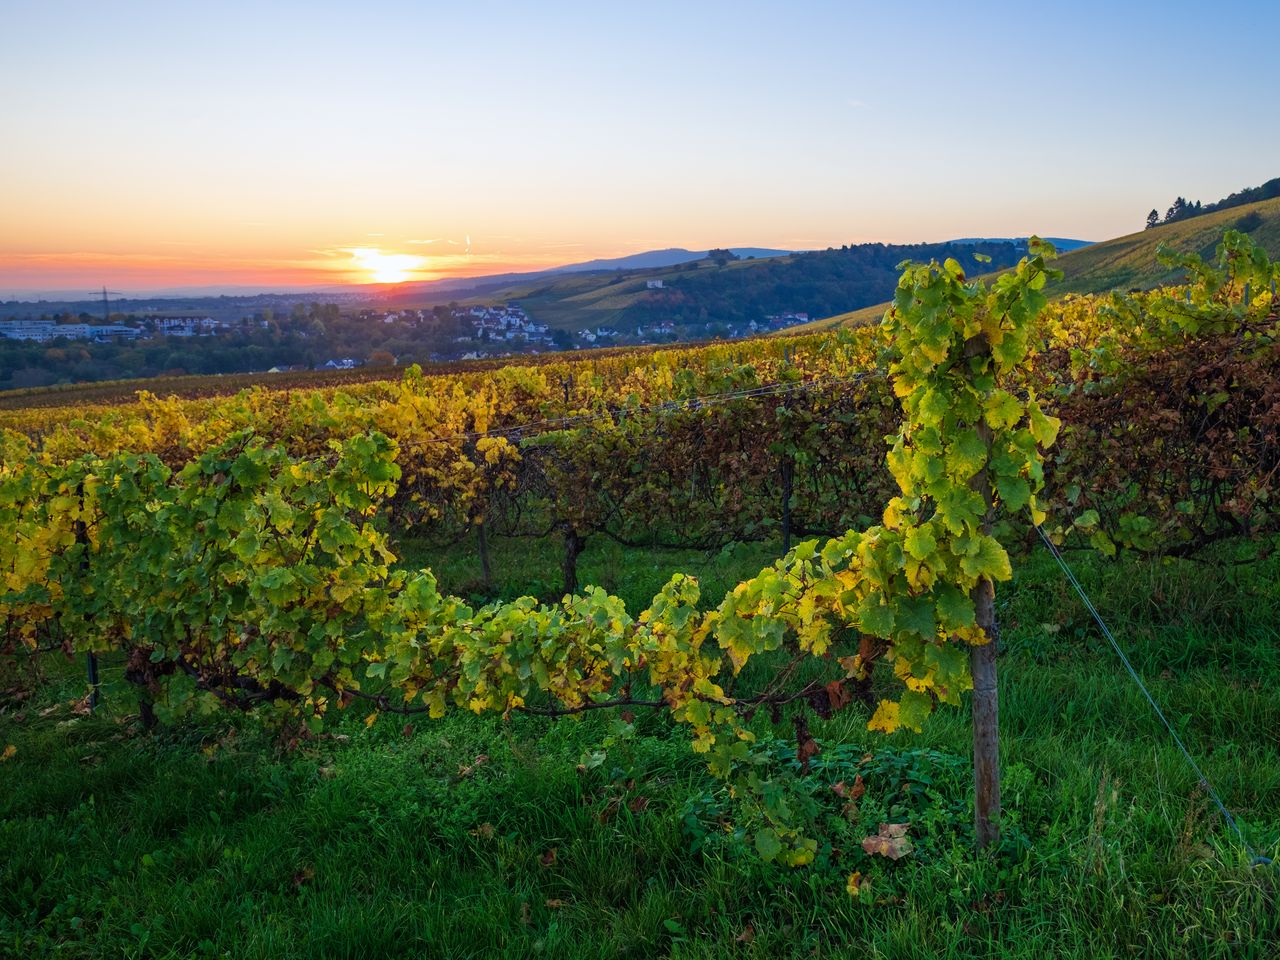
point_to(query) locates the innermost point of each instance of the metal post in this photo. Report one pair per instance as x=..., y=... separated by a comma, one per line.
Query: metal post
x=91, y=668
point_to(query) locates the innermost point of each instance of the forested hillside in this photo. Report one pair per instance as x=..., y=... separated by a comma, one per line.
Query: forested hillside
x=731, y=292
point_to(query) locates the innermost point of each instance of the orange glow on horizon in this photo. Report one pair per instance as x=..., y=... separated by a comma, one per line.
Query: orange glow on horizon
x=382, y=267
x=315, y=268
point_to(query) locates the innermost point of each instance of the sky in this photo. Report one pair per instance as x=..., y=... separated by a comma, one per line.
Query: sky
x=148, y=146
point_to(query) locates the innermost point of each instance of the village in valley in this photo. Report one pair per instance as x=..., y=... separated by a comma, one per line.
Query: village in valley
x=439, y=333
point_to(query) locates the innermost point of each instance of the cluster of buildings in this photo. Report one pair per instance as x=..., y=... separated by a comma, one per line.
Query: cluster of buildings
x=41, y=331
x=778, y=321
x=505, y=323
x=338, y=363
x=599, y=333
x=188, y=326
x=664, y=330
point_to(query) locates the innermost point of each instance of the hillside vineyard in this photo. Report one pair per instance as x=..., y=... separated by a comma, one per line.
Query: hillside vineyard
x=238, y=552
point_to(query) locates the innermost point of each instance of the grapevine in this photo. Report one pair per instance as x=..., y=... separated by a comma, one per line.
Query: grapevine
x=236, y=552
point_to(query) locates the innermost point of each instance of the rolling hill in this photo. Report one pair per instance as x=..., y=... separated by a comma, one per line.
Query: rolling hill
x=1129, y=262
x=737, y=292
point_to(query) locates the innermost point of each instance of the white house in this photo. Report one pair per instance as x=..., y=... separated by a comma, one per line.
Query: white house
x=189, y=326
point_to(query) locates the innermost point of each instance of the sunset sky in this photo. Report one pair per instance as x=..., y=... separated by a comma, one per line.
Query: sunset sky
x=156, y=145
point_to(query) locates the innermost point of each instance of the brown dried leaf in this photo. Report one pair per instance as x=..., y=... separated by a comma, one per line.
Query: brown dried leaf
x=806, y=747
x=837, y=696
x=609, y=809
x=891, y=841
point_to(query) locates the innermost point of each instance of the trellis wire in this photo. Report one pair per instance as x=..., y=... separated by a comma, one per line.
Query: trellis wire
x=519, y=431
x=1205, y=783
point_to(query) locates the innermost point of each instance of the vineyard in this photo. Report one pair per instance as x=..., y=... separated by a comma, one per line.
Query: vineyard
x=248, y=570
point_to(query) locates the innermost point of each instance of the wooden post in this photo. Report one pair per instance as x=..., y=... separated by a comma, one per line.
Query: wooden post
x=986, y=727
x=573, y=545
x=482, y=537
x=483, y=541
x=982, y=666
x=90, y=658
x=788, y=479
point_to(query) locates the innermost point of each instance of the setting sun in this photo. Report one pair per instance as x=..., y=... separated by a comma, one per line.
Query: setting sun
x=386, y=267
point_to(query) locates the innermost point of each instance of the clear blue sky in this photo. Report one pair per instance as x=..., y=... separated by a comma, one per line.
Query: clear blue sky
x=267, y=139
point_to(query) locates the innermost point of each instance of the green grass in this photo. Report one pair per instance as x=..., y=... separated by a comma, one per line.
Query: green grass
x=212, y=840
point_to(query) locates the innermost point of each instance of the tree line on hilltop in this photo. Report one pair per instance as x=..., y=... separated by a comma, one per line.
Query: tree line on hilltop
x=1183, y=209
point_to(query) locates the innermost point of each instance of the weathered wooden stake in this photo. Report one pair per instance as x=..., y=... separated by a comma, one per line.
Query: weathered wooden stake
x=788, y=481
x=483, y=540
x=90, y=658
x=573, y=545
x=986, y=727
x=982, y=666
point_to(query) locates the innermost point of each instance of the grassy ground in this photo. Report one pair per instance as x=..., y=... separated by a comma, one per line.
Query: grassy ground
x=211, y=840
